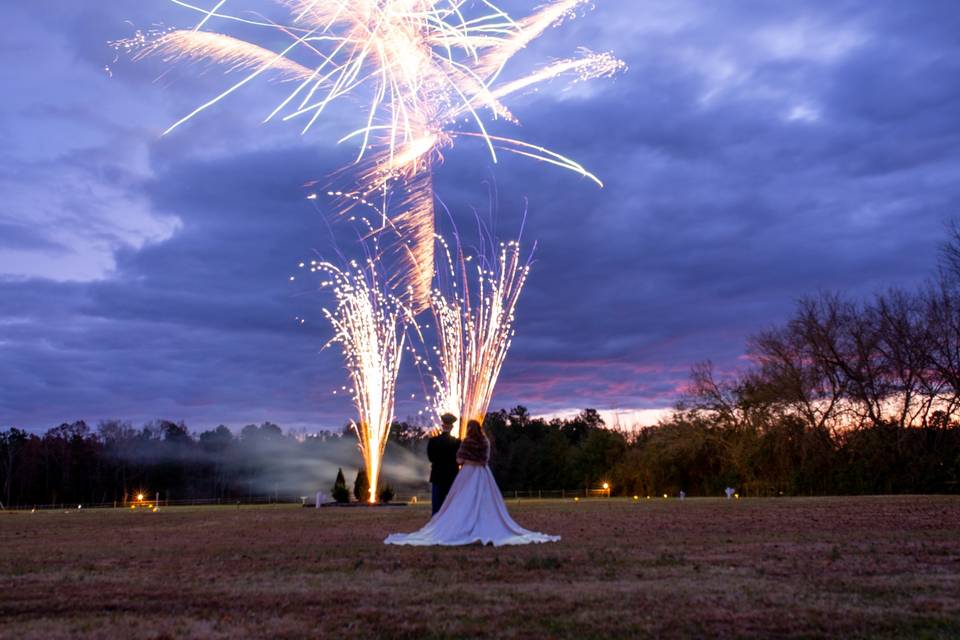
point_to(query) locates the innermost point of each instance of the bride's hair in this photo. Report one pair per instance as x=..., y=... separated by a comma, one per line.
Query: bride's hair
x=475, y=446
x=474, y=429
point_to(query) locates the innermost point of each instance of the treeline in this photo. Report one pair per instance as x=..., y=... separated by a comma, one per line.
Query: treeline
x=847, y=396
x=73, y=463
x=732, y=433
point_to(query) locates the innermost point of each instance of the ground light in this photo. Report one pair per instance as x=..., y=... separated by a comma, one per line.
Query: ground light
x=142, y=504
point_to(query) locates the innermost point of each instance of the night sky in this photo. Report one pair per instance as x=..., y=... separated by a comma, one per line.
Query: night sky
x=753, y=153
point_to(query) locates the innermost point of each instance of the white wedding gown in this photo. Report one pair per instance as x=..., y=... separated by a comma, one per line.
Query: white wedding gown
x=472, y=512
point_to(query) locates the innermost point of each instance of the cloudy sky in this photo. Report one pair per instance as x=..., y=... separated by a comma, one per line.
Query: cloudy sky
x=753, y=153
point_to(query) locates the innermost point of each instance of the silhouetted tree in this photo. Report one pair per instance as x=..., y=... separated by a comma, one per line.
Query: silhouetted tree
x=361, y=486
x=11, y=442
x=340, y=492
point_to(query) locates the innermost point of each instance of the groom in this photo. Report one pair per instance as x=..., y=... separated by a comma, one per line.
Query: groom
x=442, y=453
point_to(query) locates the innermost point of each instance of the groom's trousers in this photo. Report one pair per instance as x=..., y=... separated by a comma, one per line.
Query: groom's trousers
x=438, y=493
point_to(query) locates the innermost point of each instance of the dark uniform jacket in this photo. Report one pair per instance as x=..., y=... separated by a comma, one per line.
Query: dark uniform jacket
x=442, y=453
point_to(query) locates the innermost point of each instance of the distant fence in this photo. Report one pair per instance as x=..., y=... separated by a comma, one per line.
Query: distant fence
x=164, y=502
x=400, y=497
x=533, y=494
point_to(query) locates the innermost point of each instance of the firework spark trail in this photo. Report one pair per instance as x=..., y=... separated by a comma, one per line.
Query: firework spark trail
x=430, y=67
x=474, y=328
x=235, y=54
x=370, y=326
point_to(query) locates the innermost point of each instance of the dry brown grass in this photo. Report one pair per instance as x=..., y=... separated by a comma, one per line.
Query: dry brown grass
x=789, y=567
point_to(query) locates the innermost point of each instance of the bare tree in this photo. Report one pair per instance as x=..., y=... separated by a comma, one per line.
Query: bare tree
x=717, y=398
x=843, y=342
x=942, y=310
x=798, y=375
x=903, y=347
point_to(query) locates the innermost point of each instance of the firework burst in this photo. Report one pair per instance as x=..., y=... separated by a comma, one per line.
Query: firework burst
x=429, y=71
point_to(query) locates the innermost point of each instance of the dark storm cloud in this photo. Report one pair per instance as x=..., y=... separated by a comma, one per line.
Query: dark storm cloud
x=752, y=154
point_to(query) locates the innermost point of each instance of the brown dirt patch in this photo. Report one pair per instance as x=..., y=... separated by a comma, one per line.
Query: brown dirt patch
x=789, y=567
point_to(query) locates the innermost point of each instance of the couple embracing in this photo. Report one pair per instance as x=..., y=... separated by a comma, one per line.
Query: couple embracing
x=467, y=504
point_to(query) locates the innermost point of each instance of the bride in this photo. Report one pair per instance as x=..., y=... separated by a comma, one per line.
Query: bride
x=473, y=510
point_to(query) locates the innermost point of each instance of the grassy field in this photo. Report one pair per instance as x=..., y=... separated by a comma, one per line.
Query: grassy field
x=790, y=567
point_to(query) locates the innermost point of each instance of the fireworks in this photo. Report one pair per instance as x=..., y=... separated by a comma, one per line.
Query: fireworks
x=474, y=328
x=426, y=72
x=370, y=326
x=429, y=71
